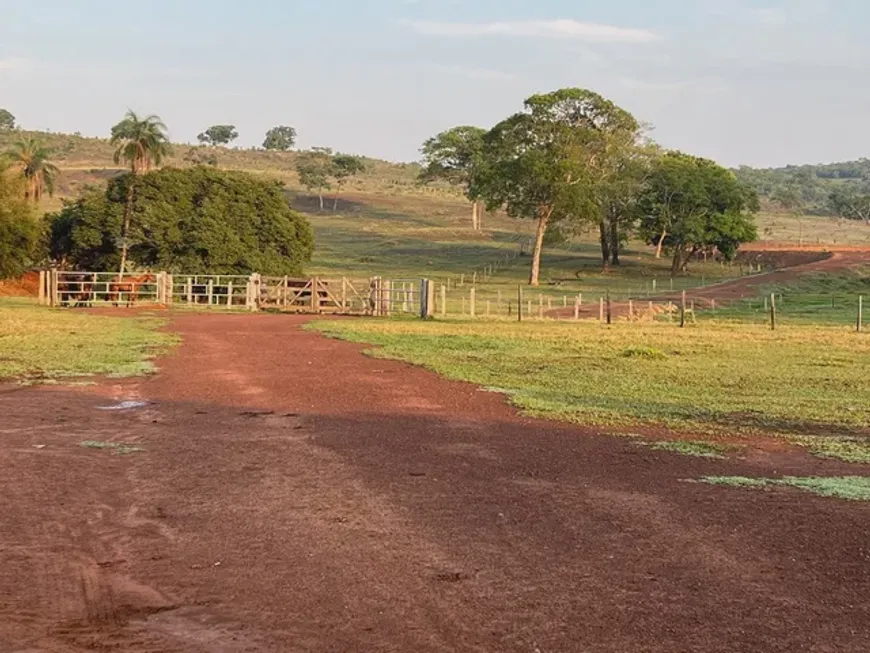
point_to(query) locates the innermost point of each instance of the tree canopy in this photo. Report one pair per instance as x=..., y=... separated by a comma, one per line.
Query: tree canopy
x=140, y=142
x=543, y=163
x=20, y=233
x=692, y=204
x=7, y=120
x=218, y=135
x=31, y=158
x=455, y=156
x=314, y=168
x=281, y=138
x=194, y=220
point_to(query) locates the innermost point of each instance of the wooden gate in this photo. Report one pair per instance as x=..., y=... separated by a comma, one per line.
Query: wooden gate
x=316, y=295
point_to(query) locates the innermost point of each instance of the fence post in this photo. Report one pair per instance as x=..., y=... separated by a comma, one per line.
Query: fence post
x=55, y=289
x=577, y=309
x=772, y=312
x=519, y=303
x=860, y=312
x=601, y=309
x=42, y=287
x=210, y=292
x=683, y=310
x=472, y=302
x=540, y=305
x=443, y=300
x=609, y=309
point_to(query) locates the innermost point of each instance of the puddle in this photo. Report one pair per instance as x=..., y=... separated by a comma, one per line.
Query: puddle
x=124, y=405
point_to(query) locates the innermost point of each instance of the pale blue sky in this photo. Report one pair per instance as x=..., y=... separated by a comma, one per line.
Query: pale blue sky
x=741, y=81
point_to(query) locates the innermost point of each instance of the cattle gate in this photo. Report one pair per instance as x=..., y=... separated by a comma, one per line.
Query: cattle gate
x=374, y=296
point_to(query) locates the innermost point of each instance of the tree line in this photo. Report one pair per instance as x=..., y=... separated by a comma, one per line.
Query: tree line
x=196, y=219
x=572, y=159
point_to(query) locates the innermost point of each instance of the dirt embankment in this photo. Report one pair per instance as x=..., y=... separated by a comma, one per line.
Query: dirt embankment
x=26, y=286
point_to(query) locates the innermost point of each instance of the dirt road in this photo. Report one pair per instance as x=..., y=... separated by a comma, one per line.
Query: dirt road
x=293, y=495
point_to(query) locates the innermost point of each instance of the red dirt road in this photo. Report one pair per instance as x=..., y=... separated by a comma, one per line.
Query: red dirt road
x=296, y=496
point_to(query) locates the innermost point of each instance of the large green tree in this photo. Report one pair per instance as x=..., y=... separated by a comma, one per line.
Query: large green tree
x=281, y=138
x=850, y=203
x=142, y=143
x=20, y=234
x=345, y=166
x=455, y=156
x=544, y=162
x=315, y=168
x=692, y=204
x=218, y=135
x=194, y=220
x=31, y=158
x=7, y=120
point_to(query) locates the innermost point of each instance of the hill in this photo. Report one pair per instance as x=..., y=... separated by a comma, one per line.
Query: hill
x=814, y=182
x=84, y=160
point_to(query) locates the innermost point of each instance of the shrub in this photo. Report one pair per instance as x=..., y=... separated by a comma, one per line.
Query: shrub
x=197, y=220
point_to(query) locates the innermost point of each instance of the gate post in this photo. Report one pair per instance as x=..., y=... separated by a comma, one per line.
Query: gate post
x=427, y=298
x=42, y=287
x=386, y=297
x=315, y=295
x=168, y=288
x=53, y=292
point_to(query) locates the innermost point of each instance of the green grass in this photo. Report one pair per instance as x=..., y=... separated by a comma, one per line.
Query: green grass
x=717, y=377
x=118, y=447
x=813, y=298
x=38, y=344
x=852, y=488
x=694, y=448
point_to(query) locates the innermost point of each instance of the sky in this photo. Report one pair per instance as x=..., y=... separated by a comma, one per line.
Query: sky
x=744, y=82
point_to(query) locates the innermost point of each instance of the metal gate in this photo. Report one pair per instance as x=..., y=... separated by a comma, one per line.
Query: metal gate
x=316, y=295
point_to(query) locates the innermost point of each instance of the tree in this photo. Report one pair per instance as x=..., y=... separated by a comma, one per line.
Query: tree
x=281, y=138
x=142, y=143
x=31, y=158
x=218, y=135
x=542, y=163
x=692, y=204
x=198, y=220
x=345, y=166
x=454, y=156
x=315, y=168
x=20, y=233
x=850, y=203
x=7, y=121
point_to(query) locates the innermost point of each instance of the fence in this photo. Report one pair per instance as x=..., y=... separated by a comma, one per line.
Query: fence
x=374, y=296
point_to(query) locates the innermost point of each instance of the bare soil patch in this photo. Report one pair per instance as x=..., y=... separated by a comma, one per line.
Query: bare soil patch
x=294, y=495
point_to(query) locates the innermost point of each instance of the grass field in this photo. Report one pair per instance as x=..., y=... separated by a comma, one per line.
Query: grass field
x=805, y=383
x=42, y=345
x=812, y=298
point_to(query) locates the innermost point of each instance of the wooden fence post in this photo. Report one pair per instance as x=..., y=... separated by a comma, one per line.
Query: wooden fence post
x=601, y=309
x=42, y=287
x=55, y=288
x=683, y=310
x=860, y=312
x=472, y=301
x=519, y=304
x=443, y=300
x=577, y=309
x=609, y=309
x=210, y=291
x=772, y=312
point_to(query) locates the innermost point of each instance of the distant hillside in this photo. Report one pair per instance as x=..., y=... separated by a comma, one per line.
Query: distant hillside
x=86, y=161
x=815, y=182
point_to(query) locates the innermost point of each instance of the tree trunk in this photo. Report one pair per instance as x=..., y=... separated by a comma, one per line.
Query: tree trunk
x=320, y=197
x=479, y=215
x=614, y=240
x=335, y=203
x=125, y=232
x=678, y=261
x=475, y=216
x=605, y=243
x=544, y=214
x=661, y=242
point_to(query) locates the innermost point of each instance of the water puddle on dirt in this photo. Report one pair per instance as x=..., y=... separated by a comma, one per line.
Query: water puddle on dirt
x=124, y=405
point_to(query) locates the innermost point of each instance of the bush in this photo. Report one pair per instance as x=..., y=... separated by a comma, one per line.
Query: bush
x=20, y=240
x=196, y=220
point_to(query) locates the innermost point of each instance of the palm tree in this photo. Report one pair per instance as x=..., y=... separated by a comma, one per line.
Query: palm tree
x=142, y=143
x=31, y=157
